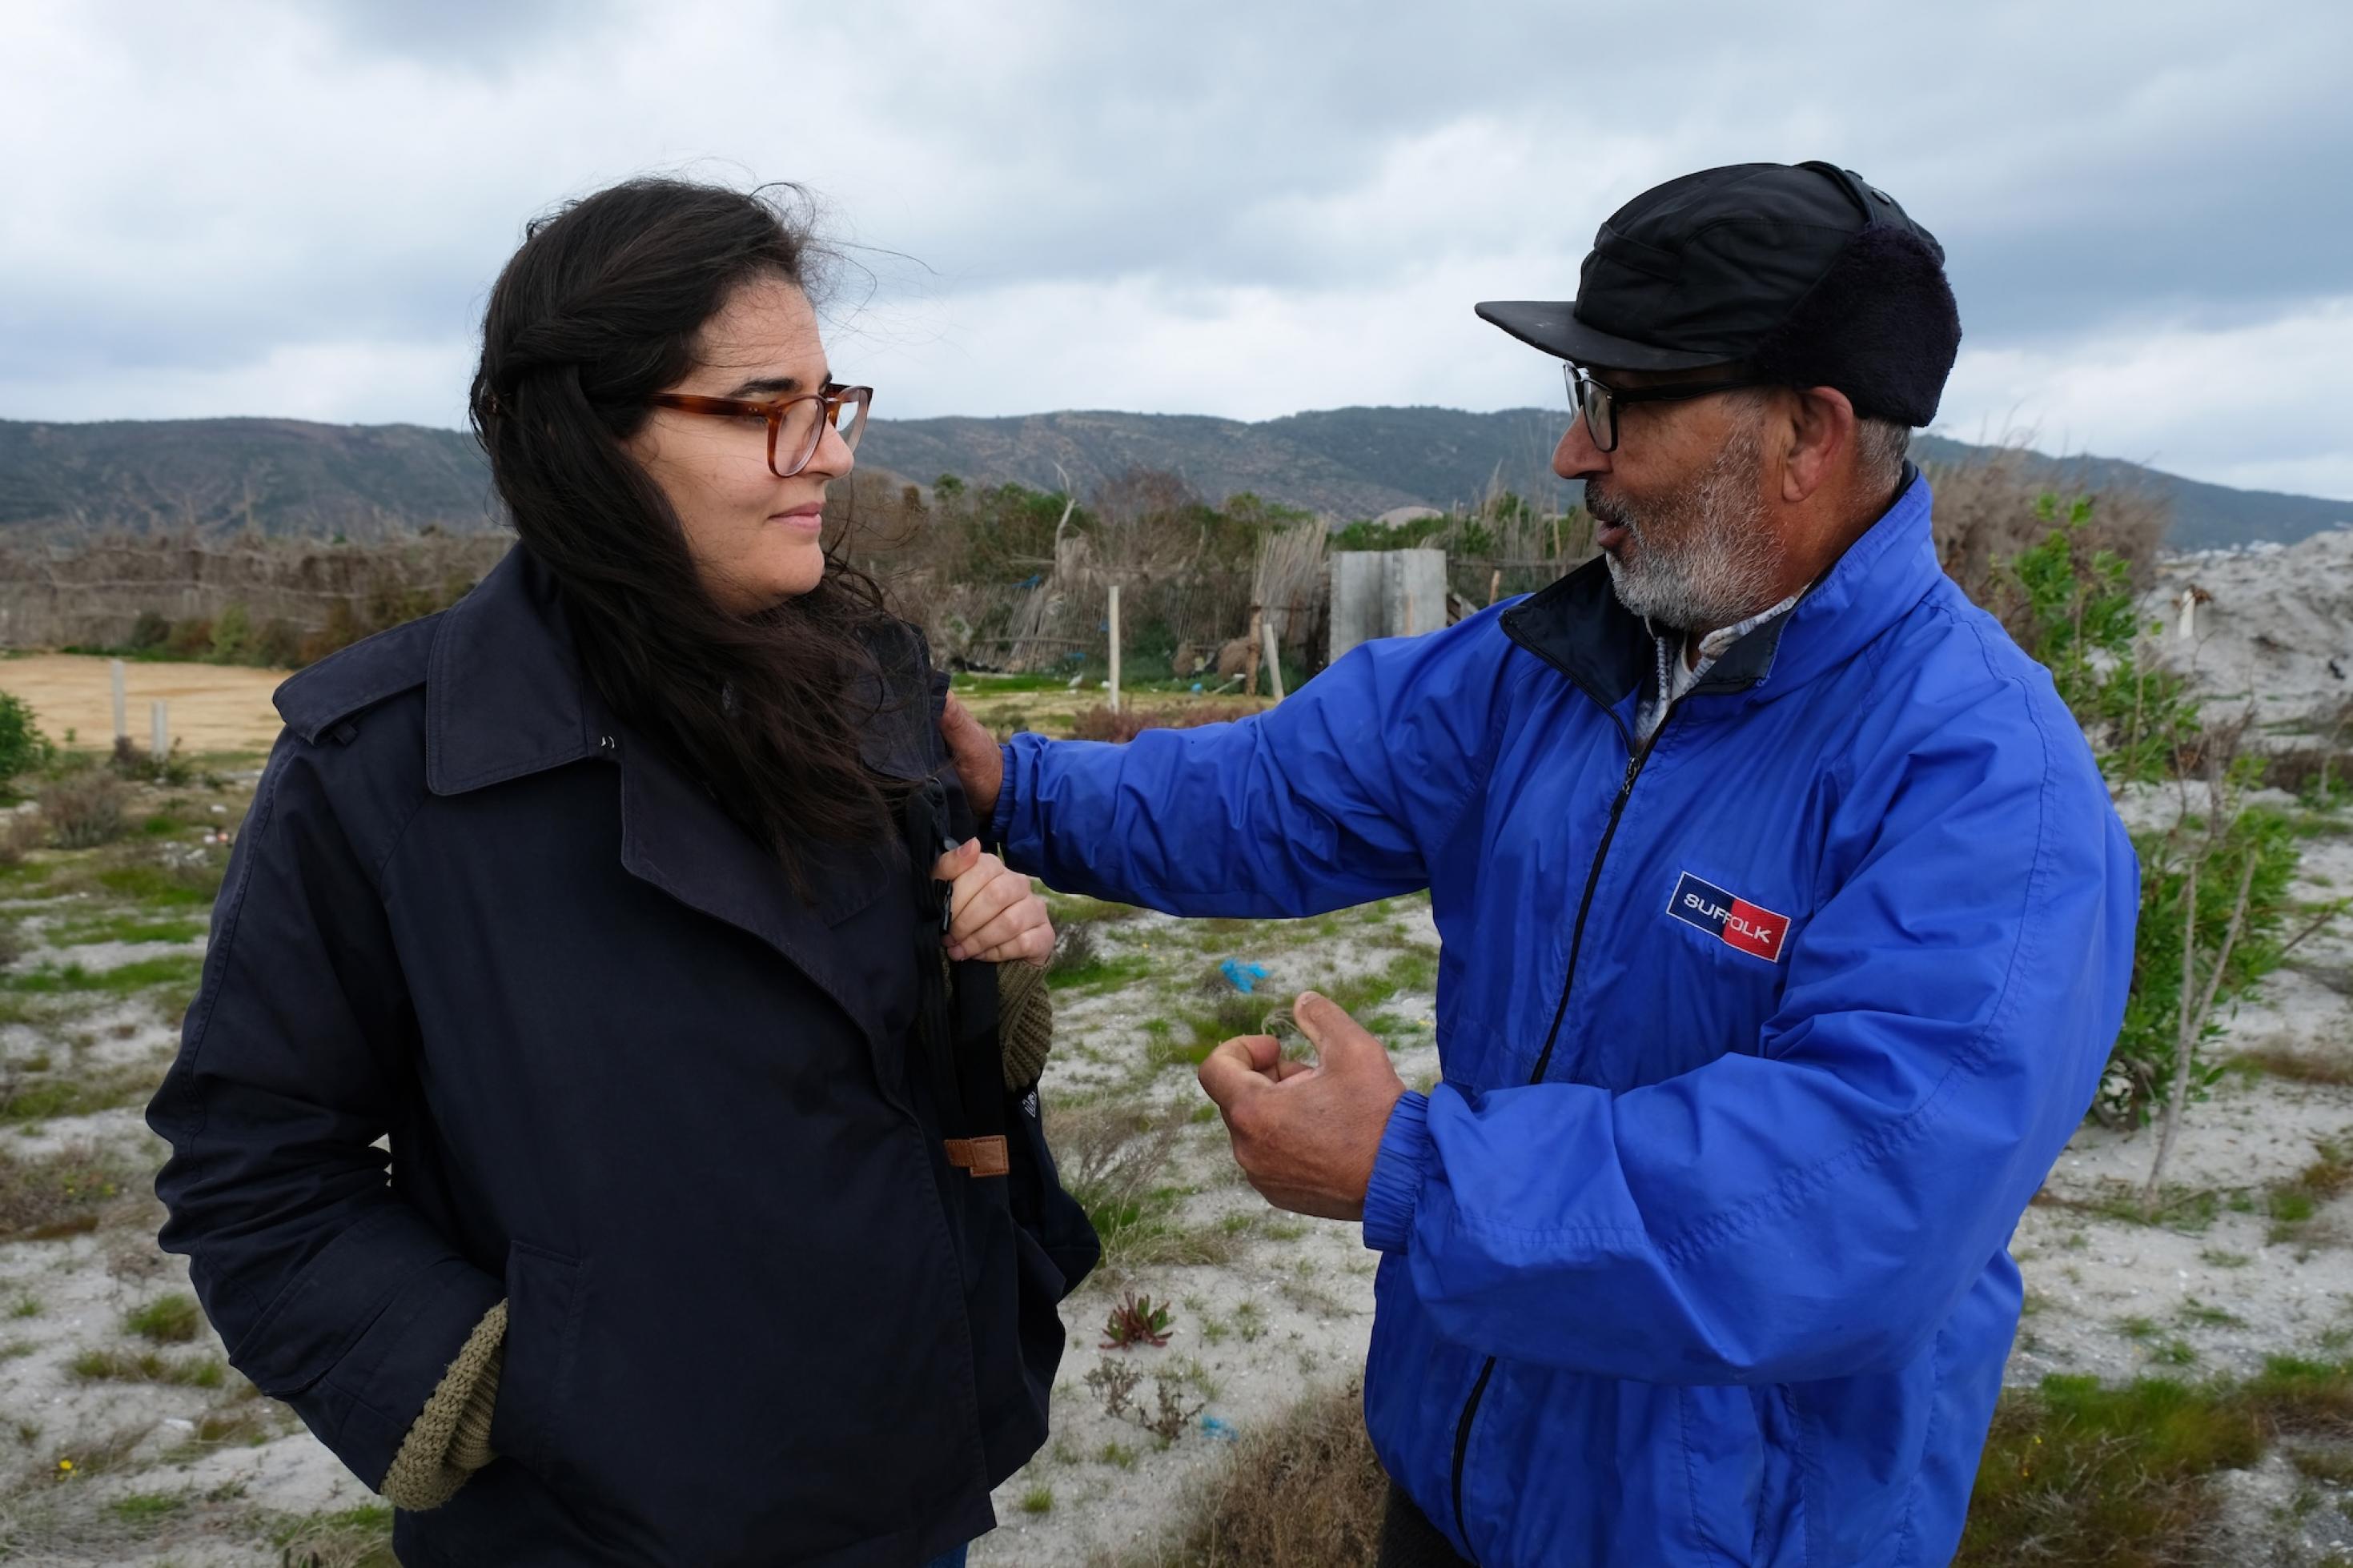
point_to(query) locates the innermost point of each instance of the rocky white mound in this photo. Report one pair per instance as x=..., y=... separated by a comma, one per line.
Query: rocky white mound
x=2271, y=626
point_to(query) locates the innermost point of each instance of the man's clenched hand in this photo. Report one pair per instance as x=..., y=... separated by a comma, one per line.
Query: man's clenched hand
x=1304, y=1134
x=978, y=763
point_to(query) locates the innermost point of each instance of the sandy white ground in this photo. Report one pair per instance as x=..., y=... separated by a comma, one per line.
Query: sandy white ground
x=1285, y=1304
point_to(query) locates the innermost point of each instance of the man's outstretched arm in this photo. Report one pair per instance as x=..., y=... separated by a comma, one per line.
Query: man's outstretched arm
x=1340, y=794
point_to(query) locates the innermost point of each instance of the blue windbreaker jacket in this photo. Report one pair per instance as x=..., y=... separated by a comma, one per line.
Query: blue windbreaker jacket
x=1755, y=1044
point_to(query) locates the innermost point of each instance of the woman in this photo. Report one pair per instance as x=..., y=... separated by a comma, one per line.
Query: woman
x=614, y=902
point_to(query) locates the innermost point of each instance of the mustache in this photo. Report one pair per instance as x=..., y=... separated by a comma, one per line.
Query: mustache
x=1602, y=509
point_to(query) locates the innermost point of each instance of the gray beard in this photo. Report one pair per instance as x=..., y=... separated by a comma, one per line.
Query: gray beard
x=1703, y=556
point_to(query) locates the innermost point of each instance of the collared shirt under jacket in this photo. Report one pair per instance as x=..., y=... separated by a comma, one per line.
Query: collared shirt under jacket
x=629, y=1083
x=1754, y=1042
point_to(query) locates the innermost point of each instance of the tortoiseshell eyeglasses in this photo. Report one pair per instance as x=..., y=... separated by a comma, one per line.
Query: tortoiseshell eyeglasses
x=796, y=425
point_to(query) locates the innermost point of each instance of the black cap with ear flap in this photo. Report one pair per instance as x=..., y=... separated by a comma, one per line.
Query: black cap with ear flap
x=1880, y=324
x=1804, y=273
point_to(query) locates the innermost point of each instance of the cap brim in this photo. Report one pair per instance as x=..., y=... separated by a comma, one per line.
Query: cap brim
x=1552, y=325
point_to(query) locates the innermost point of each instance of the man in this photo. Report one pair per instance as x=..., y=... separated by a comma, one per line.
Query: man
x=1786, y=927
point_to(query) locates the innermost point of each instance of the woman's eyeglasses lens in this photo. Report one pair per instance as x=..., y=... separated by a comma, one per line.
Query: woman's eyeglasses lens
x=803, y=427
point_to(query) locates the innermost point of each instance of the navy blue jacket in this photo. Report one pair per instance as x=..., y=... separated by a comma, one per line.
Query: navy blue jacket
x=629, y=1083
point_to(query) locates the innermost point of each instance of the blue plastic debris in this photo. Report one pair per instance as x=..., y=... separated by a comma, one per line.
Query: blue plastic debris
x=1197, y=689
x=1244, y=976
x=1219, y=1429
x=1031, y=581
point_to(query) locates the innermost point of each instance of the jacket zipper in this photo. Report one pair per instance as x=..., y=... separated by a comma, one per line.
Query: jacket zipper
x=1635, y=759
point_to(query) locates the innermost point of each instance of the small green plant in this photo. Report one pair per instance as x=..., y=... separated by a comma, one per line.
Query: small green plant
x=1136, y=1321
x=1038, y=1499
x=149, y=1366
x=166, y=1320
x=147, y=1508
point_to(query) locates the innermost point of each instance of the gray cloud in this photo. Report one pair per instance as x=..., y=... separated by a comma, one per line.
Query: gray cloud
x=1232, y=207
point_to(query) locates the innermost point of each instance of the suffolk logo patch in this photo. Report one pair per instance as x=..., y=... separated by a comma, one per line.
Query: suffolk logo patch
x=1739, y=923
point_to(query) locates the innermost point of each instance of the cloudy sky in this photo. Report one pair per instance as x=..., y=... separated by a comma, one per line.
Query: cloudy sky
x=1244, y=209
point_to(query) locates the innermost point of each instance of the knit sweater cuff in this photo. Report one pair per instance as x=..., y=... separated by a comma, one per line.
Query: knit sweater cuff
x=1025, y=1020
x=451, y=1438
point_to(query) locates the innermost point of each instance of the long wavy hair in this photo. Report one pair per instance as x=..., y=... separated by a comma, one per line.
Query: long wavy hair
x=600, y=309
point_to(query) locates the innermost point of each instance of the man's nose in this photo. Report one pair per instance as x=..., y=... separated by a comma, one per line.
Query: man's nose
x=1576, y=457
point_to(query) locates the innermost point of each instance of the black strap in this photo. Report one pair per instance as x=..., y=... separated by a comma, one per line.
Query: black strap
x=957, y=1023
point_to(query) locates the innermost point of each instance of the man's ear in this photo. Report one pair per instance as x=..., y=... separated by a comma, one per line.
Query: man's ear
x=1821, y=435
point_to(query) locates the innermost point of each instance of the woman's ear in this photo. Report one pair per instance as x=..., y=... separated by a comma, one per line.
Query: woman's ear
x=1821, y=435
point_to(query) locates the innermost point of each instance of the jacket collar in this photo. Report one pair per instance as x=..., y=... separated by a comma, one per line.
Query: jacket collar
x=504, y=695
x=1578, y=627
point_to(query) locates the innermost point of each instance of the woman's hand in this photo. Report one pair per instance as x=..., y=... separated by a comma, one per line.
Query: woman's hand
x=995, y=916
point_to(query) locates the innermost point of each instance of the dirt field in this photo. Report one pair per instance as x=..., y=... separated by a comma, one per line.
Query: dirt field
x=126, y=1440
x=214, y=707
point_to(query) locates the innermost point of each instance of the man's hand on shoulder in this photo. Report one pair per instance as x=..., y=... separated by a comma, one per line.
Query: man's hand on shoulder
x=978, y=763
x=1306, y=1134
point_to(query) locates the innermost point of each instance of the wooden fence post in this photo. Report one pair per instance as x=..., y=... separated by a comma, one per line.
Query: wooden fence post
x=1115, y=647
x=162, y=736
x=121, y=703
x=1250, y=657
x=1273, y=661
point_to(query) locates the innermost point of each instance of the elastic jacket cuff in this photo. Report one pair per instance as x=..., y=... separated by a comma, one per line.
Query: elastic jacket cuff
x=1000, y=821
x=1396, y=1186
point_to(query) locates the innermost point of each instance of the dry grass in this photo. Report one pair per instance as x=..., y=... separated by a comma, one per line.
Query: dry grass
x=2079, y=1473
x=166, y=1320
x=1986, y=514
x=1100, y=723
x=1118, y=1160
x=151, y=1366
x=356, y=1537
x=83, y=809
x=2297, y=1066
x=1305, y=1493
x=20, y=834
x=51, y=1195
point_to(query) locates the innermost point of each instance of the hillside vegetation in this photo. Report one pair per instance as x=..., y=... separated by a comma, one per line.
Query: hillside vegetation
x=289, y=478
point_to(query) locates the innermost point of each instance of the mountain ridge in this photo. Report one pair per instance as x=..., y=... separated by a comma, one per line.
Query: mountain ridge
x=68, y=480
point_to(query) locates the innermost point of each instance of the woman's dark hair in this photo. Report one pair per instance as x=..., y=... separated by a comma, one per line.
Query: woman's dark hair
x=598, y=311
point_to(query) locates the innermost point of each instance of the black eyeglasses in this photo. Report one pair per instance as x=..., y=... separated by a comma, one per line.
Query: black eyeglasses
x=1599, y=403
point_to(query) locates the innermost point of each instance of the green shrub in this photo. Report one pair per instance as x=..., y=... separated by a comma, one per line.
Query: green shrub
x=151, y=630
x=23, y=747
x=190, y=639
x=2079, y=621
x=232, y=635
x=278, y=645
x=136, y=763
